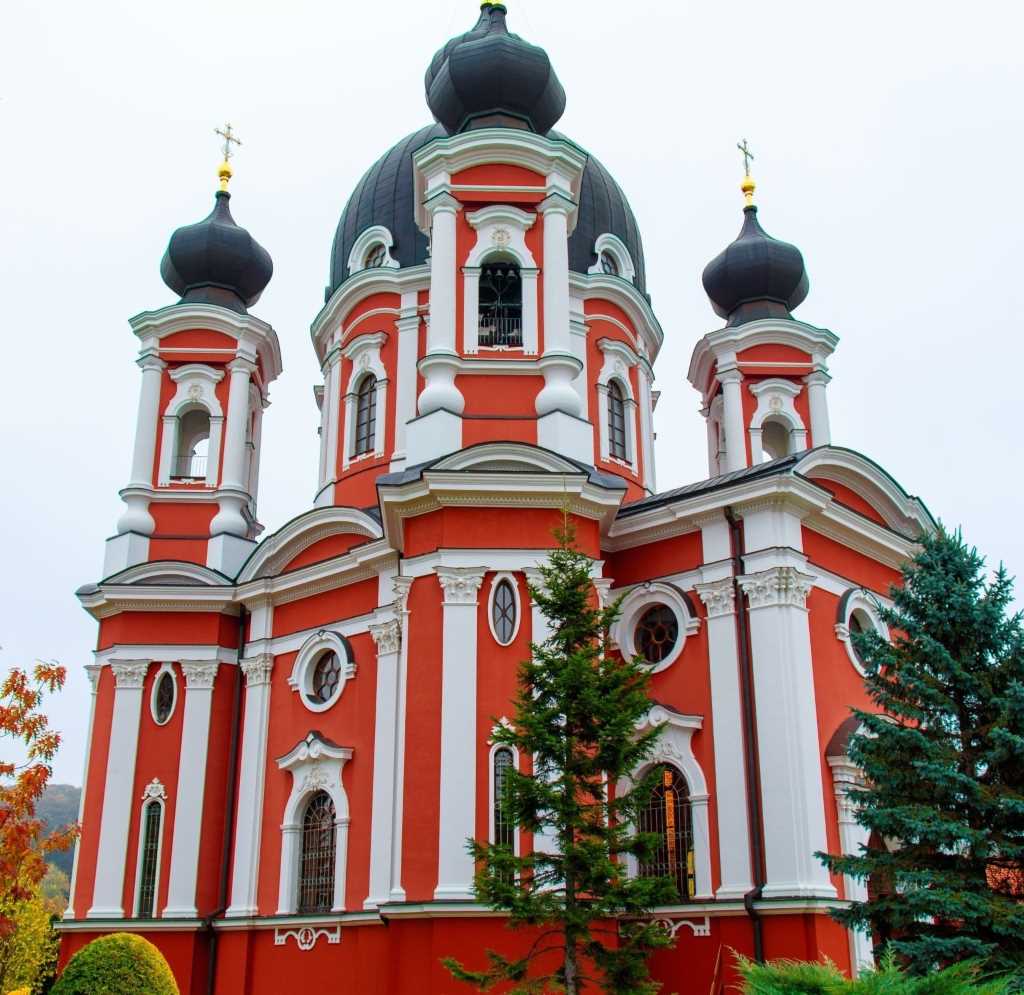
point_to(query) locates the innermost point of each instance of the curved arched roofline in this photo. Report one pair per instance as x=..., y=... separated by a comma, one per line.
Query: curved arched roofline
x=162, y=572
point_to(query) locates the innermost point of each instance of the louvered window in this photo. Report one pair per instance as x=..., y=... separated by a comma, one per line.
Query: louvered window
x=316, y=862
x=667, y=814
x=616, y=421
x=366, y=416
x=151, y=816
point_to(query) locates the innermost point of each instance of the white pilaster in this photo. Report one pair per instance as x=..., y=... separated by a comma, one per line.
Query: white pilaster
x=92, y=671
x=852, y=836
x=188, y=808
x=229, y=518
x=735, y=437
x=644, y=377
x=790, y=754
x=388, y=638
x=329, y=415
x=249, y=822
x=129, y=677
x=821, y=433
x=405, y=386
x=136, y=516
x=403, y=587
x=458, y=731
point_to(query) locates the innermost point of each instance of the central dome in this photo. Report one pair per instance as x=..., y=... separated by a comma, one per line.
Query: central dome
x=386, y=196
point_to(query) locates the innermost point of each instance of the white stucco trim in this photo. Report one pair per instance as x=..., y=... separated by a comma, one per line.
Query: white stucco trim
x=366, y=240
x=866, y=603
x=364, y=353
x=301, y=677
x=155, y=793
x=616, y=248
x=315, y=765
x=496, y=581
x=775, y=399
x=636, y=602
x=619, y=359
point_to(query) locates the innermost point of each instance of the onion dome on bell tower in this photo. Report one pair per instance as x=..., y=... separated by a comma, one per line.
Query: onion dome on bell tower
x=757, y=276
x=489, y=77
x=215, y=261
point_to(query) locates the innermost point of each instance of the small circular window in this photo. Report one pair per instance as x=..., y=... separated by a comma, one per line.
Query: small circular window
x=657, y=633
x=608, y=264
x=858, y=615
x=163, y=697
x=326, y=678
x=503, y=612
x=377, y=256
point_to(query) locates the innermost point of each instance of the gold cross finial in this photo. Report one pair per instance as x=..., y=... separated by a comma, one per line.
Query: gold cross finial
x=230, y=139
x=747, y=186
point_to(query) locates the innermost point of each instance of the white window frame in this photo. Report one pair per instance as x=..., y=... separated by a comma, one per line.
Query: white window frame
x=619, y=359
x=166, y=668
x=154, y=792
x=315, y=765
x=490, y=790
x=301, y=678
x=196, y=389
x=857, y=599
x=366, y=240
x=775, y=399
x=500, y=231
x=364, y=353
x=636, y=602
x=616, y=248
x=495, y=583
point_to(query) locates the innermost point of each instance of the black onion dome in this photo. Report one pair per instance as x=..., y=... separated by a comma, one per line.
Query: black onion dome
x=217, y=262
x=490, y=76
x=757, y=276
x=385, y=196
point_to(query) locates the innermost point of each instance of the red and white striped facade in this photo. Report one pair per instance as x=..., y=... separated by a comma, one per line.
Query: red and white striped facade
x=392, y=564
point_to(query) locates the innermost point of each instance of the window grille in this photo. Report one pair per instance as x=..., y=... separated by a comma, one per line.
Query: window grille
x=326, y=676
x=656, y=633
x=608, y=264
x=377, y=256
x=503, y=612
x=616, y=421
x=316, y=862
x=504, y=830
x=151, y=816
x=667, y=814
x=164, y=697
x=366, y=415
x=501, y=306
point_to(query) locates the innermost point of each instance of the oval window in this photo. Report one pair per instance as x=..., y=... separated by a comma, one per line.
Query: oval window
x=326, y=677
x=656, y=633
x=163, y=697
x=503, y=612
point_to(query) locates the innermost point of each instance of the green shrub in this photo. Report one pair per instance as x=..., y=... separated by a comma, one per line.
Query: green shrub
x=793, y=977
x=119, y=964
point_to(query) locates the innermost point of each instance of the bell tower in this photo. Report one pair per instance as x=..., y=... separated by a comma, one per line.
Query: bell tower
x=206, y=367
x=762, y=377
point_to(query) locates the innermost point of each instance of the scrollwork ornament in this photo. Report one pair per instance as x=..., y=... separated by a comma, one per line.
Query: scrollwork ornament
x=130, y=675
x=200, y=675
x=387, y=636
x=257, y=669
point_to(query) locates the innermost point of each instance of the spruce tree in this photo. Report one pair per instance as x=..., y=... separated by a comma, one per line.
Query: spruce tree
x=576, y=715
x=943, y=762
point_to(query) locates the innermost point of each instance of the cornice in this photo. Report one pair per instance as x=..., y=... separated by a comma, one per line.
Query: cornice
x=625, y=295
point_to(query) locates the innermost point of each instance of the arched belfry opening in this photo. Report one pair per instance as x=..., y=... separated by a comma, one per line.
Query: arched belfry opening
x=193, y=445
x=776, y=439
x=501, y=304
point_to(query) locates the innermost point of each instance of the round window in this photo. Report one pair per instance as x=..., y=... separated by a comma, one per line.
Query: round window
x=503, y=612
x=656, y=633
x=163, y=698
x=608, y=264
x=859, y=625
x=326, y=677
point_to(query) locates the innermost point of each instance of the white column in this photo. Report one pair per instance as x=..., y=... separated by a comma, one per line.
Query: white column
x=727, y=715
x=530, y=314
x=332, y=427
x=92, y=671
x=405, y=386
x=644, y=376
x=821, y=433
x=458, y=731
x=735, y=441
x=792, y=800
x=852, y=836
x=129, y=677
x=387, y=636
x=249, y=822
x=229, y=518
x=402, y=587
x=136, y=516
x=188, y=803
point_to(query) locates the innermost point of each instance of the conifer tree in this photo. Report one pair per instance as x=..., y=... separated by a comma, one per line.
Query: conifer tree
x=576, y=716
x=943, y=767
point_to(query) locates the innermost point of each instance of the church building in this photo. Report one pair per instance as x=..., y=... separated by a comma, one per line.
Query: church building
x=290, y=735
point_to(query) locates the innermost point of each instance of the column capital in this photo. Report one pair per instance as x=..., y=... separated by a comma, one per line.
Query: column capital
x=93, y=671
x=777, y=586
x=199, y=674
x=149, y=360
x=460, y=584
x=443, y=203
x=257, y=669
x=387, y=636
x=402, y=586
x=242, y=365
x=718, y=596
x=818, y=377
x=557, y=203
x=729, y=375
x=603, y=586
x=130, y=674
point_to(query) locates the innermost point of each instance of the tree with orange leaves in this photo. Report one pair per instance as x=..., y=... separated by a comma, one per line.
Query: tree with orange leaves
x=23, y=843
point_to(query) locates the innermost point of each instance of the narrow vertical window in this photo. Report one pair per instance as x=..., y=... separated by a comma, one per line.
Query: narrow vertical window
x=667, y=815
x=148, y=869
x=504, y=831
x=503, y=612
x=616, y=421
x=501, y=306
x=366, y=416
x=316, y=860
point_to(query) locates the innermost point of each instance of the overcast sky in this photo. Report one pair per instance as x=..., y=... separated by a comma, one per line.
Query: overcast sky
x=889, y=146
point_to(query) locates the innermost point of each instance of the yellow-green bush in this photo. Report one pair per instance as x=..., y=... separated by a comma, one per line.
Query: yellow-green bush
x=119, y=964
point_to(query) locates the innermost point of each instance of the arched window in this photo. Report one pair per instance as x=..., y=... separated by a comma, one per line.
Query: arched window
x=366, y=416
x=376, y=256
x=316, y=860
x=774, y=439
x=503, y=829
x=148, y=866
x=667, y=814
x=616, y=421
x=501, y=305
x=193, y=440
x=608, y=264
